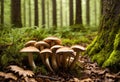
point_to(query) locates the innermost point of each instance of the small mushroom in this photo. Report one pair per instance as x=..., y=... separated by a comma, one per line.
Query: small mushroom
x=77, y=49
x=65, y=52
x=55, y=58
x=41, y=45
x=53, y=41
x=46, y=53
x=30, y=43
x=30, y=50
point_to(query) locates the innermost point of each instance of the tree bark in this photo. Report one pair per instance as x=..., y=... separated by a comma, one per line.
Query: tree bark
x=54, y=5
x=95, y=11
x=24, y=12
x=71, y=12
x=30, y=18
x=105, y=49
x=48, y=14
x=16, y=13
x=2, y=12
x=36, y=13
x=61, y=13
x=78, y=12
x=43, y=13
x=101, y=2
x=88, y=12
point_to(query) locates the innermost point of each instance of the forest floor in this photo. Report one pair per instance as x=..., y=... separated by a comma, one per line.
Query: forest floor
x=90, y=72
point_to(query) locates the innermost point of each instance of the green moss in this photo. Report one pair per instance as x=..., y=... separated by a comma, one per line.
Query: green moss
x=101, y=47
x=113, y=59
x=96, y=46
x=91, y=45
x=117, y=42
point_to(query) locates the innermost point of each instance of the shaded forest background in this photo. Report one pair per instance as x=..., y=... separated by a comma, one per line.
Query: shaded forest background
x=73, y=21
x=49, y=13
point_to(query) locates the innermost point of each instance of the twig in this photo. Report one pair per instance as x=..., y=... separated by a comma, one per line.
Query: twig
x=47, y=77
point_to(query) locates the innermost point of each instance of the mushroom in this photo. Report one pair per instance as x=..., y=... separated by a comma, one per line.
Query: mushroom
x=77, y=49
x=41, y=45
x=53, y=41
x=30, y=43
x=55, y=58
x=65, y=53
x=30, y=51
x=46, y=53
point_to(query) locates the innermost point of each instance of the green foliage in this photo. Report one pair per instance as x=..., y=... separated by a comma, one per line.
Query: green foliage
x=13, y=39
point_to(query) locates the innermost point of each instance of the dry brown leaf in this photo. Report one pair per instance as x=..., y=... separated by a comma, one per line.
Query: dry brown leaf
x=86, y=80
x=8, y=75
x=21, y=71
x=28, y=73
x=39, y=79
x=15, y=68
x=2, y=74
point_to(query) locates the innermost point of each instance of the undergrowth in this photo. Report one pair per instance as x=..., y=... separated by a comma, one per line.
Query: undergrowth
x=13, y=39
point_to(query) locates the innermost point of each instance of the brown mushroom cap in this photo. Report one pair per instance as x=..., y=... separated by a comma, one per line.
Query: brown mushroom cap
x=53, y=39
x=65, y=50
x=30, y=43
x=41, y=43
x=46, y=51
x=55, y=47
x=29, y=49
x=78, y=48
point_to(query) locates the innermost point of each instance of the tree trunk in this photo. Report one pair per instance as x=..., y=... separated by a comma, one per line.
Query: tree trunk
x=105, y=49
x=2, y=12
x=30, y=18
x=71, y=12
x=24, y=12
x=101, y=2
x=16, y=13
x=78, y=12
x=95, y=11
x=61, y=13
x=88, y=12
x=54, y=5
x=36, y=13
x=48, y=22
x=43, y=13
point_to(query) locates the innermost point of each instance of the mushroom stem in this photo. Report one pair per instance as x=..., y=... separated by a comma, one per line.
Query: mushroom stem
x=53, y=61
x=59, y=59
x=64, y=60
x=41, y=56
x=48, y=63
x=75, y=60
x=31, y=62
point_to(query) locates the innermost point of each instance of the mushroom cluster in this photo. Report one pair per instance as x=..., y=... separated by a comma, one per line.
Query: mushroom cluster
x=53, y=54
